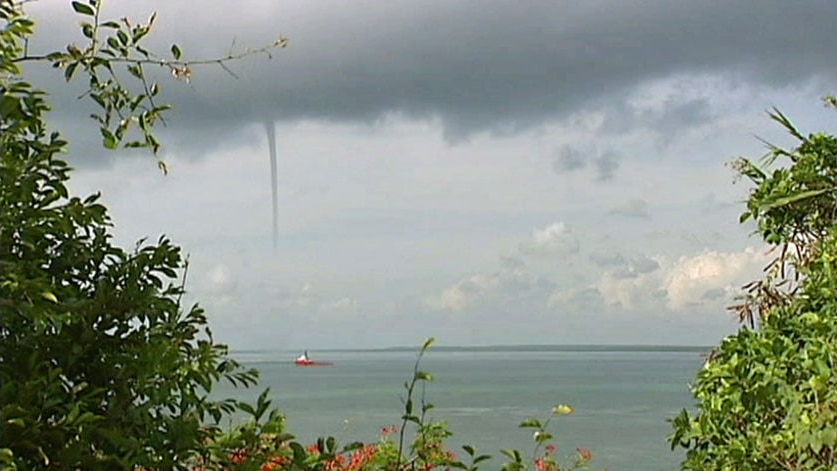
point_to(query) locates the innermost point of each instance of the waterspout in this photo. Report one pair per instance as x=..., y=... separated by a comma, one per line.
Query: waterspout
x=271, y=144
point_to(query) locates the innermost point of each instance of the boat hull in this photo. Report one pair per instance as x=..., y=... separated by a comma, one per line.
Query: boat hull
x=312, y=363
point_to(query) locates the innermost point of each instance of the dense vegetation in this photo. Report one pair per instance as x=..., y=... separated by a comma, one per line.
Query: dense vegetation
x=767, y=397
x=101, y=365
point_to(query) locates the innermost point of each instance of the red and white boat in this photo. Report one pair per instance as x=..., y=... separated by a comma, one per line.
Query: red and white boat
x=304, y=360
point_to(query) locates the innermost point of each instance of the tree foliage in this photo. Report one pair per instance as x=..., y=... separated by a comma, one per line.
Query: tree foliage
x=101, y=366
x=767, y=396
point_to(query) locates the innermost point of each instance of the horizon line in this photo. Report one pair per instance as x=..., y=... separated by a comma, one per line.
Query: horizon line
x=591, y=347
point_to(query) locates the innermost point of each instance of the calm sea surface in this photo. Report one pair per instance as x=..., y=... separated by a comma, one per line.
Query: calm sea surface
x=621, y=398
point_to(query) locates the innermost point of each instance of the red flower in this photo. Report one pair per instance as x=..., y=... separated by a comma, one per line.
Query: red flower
x=238, y=457
x=275, y=463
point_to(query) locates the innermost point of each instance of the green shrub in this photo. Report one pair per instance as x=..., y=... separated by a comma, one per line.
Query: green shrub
x=767, y=396
x=101, y=367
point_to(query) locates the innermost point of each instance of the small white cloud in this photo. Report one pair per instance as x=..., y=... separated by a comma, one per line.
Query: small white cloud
x=220, y=284
x=463, y=294
x=453, y=299
x=218, y=275
x=557, y=238
x=305, y=295
x=309, y=299
x=343, y=306
x=502, y=287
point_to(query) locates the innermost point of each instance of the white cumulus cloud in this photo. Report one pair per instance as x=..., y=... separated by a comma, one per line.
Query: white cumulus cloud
x=693, y=279
x=629, y=289
x=659, y=283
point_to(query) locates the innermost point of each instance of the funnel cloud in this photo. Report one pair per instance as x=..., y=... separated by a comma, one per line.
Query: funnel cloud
x=270, y=127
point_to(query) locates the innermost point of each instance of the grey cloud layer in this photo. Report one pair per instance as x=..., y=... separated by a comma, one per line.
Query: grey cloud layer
x=477, y=65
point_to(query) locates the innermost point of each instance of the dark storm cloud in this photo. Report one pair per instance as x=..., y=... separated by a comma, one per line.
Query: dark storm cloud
x=644, y=265
x=671, y=117
x=608, y=260
x=475, y=65
x=606, y=165
x=570, y=159
x=625, y=267
x=713, y=294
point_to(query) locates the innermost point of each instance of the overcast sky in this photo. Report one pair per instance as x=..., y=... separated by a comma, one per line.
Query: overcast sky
x=485, y=172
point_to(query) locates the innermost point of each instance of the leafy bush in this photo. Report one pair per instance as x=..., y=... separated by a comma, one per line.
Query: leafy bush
x=101, y=367
x=767, y=397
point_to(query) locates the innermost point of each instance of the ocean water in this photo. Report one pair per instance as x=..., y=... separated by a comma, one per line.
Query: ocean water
x=621, y=398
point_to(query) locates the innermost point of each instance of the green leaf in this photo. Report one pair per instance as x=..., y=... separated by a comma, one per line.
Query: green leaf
x=424, y=376
x=531, y=423
x=481, y=458
x=9, y=106
x=540, y=436
x=513, y=454
x=49, y=297
x=353, y=446
x=410, y=418
x=87, y=30
x=780, y=118
x=70, y=70
x=786, y=200
x=83, y=9
x=299, y=452
x=244, y=407
x=562, y=409
x=108, y=138
x=123, y=37
x=176, y=52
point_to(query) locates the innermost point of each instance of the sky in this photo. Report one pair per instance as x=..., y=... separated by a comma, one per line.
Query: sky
x=483, y=172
